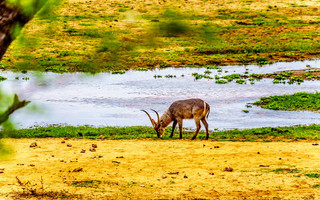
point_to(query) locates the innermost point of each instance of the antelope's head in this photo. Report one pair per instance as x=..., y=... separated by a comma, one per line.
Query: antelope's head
x=156, y=125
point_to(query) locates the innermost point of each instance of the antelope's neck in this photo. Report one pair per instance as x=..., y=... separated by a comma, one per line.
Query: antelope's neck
x=166, y=119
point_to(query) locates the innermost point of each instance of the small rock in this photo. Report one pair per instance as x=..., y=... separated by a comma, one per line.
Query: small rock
x=258, y=152
x=173, y=172
x=92, y=149
x=63, y=141
x=66, y=138
x=79, y=169
x=228, y=169
x=264, y=166
x=315, y=144
x=1, y=170
x=69, y=145
x=115, y=162
x=61, y=160
x=216, y=147
x=94, y=145
x=119, y=157
x=185, y=176
x=52, y=155
x=31, y=165
x=100, y=156
x=82, y=151
x=33, y=144
x=20, y=164
x=280, y=158
x=164, y=176
x=211, y=173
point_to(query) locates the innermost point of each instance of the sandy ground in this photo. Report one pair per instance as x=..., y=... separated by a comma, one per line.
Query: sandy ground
x=145, y=169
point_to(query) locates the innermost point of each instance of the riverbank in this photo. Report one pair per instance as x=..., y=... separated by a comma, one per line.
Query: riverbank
x=267, y=134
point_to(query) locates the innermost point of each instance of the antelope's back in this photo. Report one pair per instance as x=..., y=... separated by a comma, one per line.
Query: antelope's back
x=189, y=108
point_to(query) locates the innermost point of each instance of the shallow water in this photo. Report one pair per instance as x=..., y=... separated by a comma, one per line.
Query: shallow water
x=116, y=100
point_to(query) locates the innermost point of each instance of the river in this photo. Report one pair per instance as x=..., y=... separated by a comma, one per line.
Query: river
x=107, y=99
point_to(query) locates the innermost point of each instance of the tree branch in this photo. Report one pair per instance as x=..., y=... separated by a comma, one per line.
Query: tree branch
x=17, y=104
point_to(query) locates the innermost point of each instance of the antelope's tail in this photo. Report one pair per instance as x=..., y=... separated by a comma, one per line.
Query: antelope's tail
x=208, y=111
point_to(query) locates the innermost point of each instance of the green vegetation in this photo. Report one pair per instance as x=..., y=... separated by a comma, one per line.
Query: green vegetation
x=139, y=132
x=2, y=78
x=123, y=35
x=282, y=77
x=297, y=101
x=241, y=81
x=285, y=170
x=118, y=72
x=200, y=76
x=89, y=183
x=316, y=185
x=170, y=76
x=221, y=81
x=213, y=67
x=313, y=175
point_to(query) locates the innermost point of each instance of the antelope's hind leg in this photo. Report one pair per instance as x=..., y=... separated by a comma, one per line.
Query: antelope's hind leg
x=173, y=127
x=197, y=121
x=205, y=123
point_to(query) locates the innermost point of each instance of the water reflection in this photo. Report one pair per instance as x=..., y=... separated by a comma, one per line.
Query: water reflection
x=116, y=100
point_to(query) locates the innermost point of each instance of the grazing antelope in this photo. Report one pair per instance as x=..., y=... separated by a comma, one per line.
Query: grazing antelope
x=179, y=110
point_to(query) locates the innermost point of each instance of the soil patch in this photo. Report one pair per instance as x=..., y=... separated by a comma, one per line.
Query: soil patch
x=148, y=169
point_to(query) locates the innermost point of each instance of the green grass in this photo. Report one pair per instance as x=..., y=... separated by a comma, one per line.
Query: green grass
x=297, y=101
x=138, y=132
x=285, y=170
x=313, y=175
x=89, y=183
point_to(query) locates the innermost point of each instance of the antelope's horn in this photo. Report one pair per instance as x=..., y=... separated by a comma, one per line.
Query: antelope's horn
x=152, y=121
x=157, y=115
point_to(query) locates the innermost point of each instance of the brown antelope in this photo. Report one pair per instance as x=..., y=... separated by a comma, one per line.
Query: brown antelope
x=179, y=110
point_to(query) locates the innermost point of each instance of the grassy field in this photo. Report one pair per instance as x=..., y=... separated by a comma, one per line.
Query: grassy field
x=266, y=134
x=112, y=35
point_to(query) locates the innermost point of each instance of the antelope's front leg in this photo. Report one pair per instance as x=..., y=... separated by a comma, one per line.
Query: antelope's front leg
x=180, y=128
x=173, y=127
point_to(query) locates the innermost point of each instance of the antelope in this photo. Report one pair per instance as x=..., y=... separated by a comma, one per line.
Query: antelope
x=179, y=110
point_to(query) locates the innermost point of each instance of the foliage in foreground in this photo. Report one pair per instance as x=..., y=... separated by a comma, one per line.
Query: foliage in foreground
x=297, y=101
x=300, y=132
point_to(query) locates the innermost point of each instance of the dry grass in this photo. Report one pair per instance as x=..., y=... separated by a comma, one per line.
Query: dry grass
x=148, y=169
